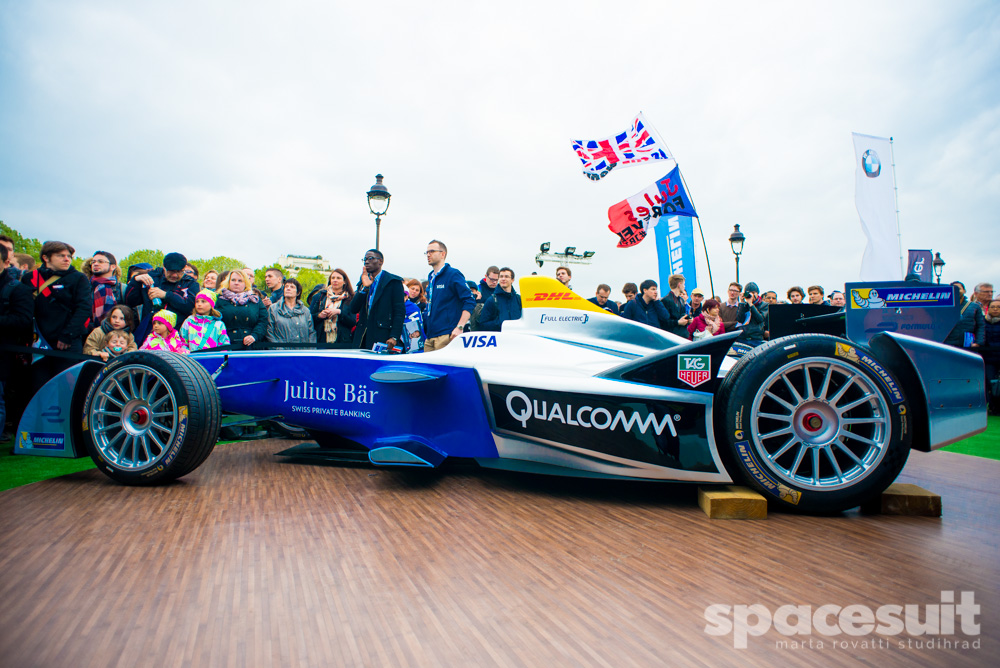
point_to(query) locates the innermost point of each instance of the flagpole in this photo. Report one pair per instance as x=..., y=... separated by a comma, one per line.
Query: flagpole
x=711, y=283
x=895, y=195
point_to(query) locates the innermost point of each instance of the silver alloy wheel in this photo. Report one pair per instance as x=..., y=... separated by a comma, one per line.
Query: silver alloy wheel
x=133, y=417
x=820, y=424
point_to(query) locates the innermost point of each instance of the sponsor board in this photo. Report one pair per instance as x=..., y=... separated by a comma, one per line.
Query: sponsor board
x=753, y=467
x=869, y=298
x=664, y=433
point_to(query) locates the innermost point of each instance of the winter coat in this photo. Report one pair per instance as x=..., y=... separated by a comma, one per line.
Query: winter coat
x=502, y=306
x=699, y=324
x=345, y=321
x=653, y=314
x=387, y=311
x=244, y=320
x=753, y=318
x=93, y=343
x=290, y=325
x=202, y=332
x=172, y=342
x=179, y=298
x=991, y=342
x=63, y=308
x=448, y=295
x=485, y=291
x=15, y=318
x=676, y=309
x=971, y=321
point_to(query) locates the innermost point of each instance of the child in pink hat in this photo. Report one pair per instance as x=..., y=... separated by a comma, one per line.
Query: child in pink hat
x=164, y=336
x=204, y=328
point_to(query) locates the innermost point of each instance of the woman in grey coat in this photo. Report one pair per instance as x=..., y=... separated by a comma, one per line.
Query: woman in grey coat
x=289, y=321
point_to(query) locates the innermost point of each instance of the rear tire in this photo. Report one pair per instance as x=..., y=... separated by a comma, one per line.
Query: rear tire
x=814, y=422
x=151, y=417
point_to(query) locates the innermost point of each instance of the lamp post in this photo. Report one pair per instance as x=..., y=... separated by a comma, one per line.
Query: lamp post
x=378, y=203
x=938, y=265
x=736, y=240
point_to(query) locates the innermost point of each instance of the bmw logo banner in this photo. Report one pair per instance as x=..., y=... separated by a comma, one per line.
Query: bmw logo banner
x=875, y=199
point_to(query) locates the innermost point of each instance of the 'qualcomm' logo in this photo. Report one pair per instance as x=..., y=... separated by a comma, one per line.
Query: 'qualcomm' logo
x=520, y=408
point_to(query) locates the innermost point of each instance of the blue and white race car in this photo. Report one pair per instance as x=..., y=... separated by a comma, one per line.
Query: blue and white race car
x=818, y=423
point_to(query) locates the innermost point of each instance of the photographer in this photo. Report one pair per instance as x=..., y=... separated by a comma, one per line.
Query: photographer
x=752, y=316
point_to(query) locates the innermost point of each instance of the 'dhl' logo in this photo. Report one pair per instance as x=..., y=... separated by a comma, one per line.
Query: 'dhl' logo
x=551, y=296
x=694, y=369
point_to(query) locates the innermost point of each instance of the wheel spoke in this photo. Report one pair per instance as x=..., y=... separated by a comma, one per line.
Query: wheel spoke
x=125, y=395
x=159, y=426
x=791, y=408
x=779, y=432
x=798, y=459
x=864, y=440
x=833, y=460
x=145, y=447
x=815, y=464
x=809, y=384
x=826, y=384
x=157, y=441
x=791, y=388
x=156, y=404
x=163, y=414
x=792, y=441
x=125, y=444
x=107, y=427
x=101, y=411
x=131, y=385
x=836, y=397
x=846, y=450
x=113, y=400
x=775, y=416
x=868, y=420
x=855, y=403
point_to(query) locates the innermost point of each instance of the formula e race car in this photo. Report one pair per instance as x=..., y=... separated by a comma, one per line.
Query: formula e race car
x=818, y=423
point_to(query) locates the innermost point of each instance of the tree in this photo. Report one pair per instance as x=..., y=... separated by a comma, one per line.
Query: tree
x=309, y=278
x=148, y=255
x=22, y=244
x=219, y=263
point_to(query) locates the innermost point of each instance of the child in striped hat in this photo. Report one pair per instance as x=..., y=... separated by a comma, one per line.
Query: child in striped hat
x=164, y=336
x=204, y=328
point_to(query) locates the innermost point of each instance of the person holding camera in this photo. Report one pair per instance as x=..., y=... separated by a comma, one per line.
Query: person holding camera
x=752, y=316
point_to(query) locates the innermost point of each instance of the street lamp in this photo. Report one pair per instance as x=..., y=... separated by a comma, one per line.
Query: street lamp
x=938, y=265
x=378, y=203
x=736, y=240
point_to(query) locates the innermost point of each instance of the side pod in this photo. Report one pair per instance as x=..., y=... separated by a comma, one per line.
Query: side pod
x=668, y=368
x=944, y=384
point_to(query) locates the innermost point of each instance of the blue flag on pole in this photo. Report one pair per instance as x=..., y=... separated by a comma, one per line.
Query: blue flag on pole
x=675, y=250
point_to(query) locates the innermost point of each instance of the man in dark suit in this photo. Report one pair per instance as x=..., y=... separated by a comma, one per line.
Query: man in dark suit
x=378, y=302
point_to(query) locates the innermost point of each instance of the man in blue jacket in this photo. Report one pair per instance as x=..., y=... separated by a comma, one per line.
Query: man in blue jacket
x=449, y=301
x=163, y=288
x=647, y=307
x=505, y=304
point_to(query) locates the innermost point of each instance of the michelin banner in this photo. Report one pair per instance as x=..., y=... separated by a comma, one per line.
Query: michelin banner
x=675, y=250
x=876, y=203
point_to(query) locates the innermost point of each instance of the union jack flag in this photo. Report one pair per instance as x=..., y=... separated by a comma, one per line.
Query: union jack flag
x=635, y=146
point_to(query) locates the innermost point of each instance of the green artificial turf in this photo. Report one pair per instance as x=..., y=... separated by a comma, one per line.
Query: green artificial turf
x=17, y=470
x=986, y=444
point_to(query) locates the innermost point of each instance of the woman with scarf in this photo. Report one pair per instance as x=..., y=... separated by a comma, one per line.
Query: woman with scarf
x=120, y=318
x=242, y=311
x=289, y=320
x=330, y=307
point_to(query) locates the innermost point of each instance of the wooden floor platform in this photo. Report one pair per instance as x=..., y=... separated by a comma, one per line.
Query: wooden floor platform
x=253, y=560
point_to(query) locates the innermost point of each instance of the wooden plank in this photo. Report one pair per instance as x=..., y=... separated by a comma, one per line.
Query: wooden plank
x=732, y=502
x=254, y=561
x=903, y=498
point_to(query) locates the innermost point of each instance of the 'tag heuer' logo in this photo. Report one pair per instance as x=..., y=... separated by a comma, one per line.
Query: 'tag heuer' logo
x=694, y=369
x=551, y=296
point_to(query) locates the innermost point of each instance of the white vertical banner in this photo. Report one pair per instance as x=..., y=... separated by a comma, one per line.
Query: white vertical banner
x=876, y=203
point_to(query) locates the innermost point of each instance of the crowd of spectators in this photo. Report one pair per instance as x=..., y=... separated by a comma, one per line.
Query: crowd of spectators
x=100, y=312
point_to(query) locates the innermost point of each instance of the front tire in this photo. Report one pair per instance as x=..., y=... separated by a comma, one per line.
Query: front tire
x=150, y=418
x=814, y=422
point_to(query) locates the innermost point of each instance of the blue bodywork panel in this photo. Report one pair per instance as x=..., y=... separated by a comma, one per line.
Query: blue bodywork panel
x=422, y=409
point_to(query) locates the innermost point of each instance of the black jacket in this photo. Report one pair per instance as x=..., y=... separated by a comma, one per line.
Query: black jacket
x=653, y=314
x=15, y=318
x=753, y=330
x=387, y=313
x=63, y=308
x=502, y=306
x=676, y=309
x=179, y=299
x=971, y=321
x=345, y=321
x=250, y=318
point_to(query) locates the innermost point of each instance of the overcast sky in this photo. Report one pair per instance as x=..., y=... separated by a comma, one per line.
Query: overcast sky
x=254, y=129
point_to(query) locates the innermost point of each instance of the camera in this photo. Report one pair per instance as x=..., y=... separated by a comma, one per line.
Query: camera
x=747, y=294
